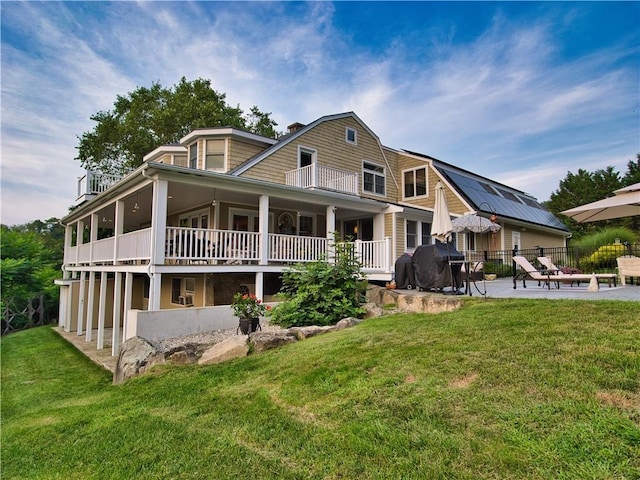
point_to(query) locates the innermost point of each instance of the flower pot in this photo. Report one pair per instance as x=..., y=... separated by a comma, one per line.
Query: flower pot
x=490, y=277
x=249, y=325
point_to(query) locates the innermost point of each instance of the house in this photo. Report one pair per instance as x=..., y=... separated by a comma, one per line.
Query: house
x=161, y=251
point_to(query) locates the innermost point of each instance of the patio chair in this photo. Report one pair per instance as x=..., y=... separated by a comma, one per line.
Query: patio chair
x=570, y=275
x=529, y=270
x=557, y=276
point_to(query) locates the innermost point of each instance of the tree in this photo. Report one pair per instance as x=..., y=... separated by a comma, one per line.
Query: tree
x=149, y=117
x=586, y=187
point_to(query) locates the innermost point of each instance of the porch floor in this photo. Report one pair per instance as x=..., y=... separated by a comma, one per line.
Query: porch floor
x=90, y=349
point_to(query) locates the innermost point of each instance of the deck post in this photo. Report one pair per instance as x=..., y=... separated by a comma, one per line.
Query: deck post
x=92, y=291
x=117, y=304
x=81, y=294
x=263, y=226
x=102, y=305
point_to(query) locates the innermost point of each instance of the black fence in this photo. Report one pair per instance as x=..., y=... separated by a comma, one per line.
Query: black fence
x=596, y=260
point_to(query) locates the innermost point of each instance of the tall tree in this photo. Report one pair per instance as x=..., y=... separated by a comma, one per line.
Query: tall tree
x=149, y=117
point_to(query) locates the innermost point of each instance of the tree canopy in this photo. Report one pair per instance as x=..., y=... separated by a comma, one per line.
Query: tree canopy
x=586, y=187
x=149, y=117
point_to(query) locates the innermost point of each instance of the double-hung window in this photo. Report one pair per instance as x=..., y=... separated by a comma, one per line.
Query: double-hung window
x=193, y=155
x=373, y=178
x=351, y=135
x=306, y=156
x=415, y=182
x=214, y=159
x=417, y=232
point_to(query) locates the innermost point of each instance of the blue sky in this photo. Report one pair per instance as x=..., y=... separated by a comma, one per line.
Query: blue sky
x=521, y=92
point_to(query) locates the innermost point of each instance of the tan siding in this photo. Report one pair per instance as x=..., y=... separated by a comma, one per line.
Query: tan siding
x=328, y=139
x=238, y=152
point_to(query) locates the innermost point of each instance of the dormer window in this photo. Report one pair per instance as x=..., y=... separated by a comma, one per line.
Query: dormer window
x=215, y=155
x=373, y=178
x=193, y=156
x=306, y=156
x=351, y=135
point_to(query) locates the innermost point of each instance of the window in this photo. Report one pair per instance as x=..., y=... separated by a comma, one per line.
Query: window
x=193, y=155
x=351, y=135
x=418, y=231
x=176, y=290
x=180, y=160
x=183, y=290
x=373, y=178
x=415, y=183
x=214, y=159
x=306, y=156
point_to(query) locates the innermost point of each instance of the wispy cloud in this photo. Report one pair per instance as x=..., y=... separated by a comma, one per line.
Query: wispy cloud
x=505, y=101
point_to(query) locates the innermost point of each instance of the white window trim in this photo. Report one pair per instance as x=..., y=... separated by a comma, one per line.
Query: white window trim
x=312, y=151
x=196, y=144
x=225, y=153
x=251, y=214
x=355, y=135
x=426, y=179
x=384, y=175
x=196, y=213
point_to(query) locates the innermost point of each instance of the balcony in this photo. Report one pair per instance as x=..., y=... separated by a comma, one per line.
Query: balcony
x=92, y=184
x=325, y=178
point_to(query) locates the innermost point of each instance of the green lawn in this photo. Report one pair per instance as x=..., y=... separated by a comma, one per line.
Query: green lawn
x=500, y=389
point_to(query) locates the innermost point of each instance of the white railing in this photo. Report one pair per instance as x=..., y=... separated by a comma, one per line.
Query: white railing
x=84, y=253
x=93, y=183
x=70, y=255
x=134, y=245
x=199, y=244
x=102, y=250
x=319, y=176
x=375, y=255
x=291, y=248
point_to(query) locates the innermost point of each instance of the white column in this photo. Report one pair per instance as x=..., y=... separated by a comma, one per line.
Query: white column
x=68, y=234
x=128, y=288
x=260, y=285
x=93, y=235
x=79, y=238
x=117, y=299
x=118, y=228
x=62, y=305
x=92, y=288
x=68, y=309
x=263, y=222
x=102, y=305
x=159, y=221
x=81, y=295
x=331, y=221
x=155, y=289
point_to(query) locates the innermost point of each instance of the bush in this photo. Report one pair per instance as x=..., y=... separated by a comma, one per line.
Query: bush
x=603, y=257
x=321, y=293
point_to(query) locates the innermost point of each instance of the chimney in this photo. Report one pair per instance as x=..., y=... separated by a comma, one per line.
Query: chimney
x=294, y=127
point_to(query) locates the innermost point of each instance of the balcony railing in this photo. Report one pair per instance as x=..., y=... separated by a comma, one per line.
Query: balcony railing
x=93, y=183
x=327, y=178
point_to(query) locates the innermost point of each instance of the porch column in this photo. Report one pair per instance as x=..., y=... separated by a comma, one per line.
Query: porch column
x=159, y=221
x=155, y=289
x=93, y=235
x=81, y=294
x=102, y=304
x=62, y=305
x=118, y=228
x=128, y=288
x=260, y=285
x=92, y=289
x=68, y=309
x=79, y=238
x=331, y=221
x=263, y=222
x=68, y=233
x=117, y=299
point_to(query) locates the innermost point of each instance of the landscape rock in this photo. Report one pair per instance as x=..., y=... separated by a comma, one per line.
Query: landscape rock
x=428, y=303
x=233, y=347
x=372, y=310
x=311, y=331
x=347, y=323
x=136, y=356
x=262, y=341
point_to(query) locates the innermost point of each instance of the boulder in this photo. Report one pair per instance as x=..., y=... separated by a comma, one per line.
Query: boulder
x=372, y=310
x=233, y=347
x=136, y=356
x=347, y=323
x=311, y=331
x=262, y=341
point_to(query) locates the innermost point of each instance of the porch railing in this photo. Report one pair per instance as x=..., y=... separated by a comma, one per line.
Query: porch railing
x=93, y=183
x=131, y=246
x=199, y=244
x=290, y=248
x=319, y=176
x=375, y=255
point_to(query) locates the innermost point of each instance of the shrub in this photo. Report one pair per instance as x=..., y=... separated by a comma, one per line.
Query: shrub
x=321, y=292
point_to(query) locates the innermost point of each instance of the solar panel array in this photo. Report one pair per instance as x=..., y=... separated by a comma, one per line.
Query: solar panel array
x=504, y=203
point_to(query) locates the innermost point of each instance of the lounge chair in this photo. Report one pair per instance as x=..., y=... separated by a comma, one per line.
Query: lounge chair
x=529, y=270
x=578, y=276
x=556, y=275
x=628, y=266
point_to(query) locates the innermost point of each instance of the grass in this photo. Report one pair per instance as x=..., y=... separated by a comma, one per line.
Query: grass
x=500, y=389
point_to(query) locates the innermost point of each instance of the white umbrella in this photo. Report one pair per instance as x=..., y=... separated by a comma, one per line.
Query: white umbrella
x=625, y=203
x=441, y=226
x=473, y=223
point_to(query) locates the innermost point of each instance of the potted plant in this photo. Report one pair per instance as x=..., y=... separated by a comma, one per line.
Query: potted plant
x=490, y=271
x=248, y=308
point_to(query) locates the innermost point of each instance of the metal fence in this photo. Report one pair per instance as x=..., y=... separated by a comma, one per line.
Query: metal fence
x=595, y=260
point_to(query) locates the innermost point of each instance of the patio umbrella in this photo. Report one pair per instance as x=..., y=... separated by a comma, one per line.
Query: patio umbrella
x=473, y=223
x=625, y=203
x=441, y=226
